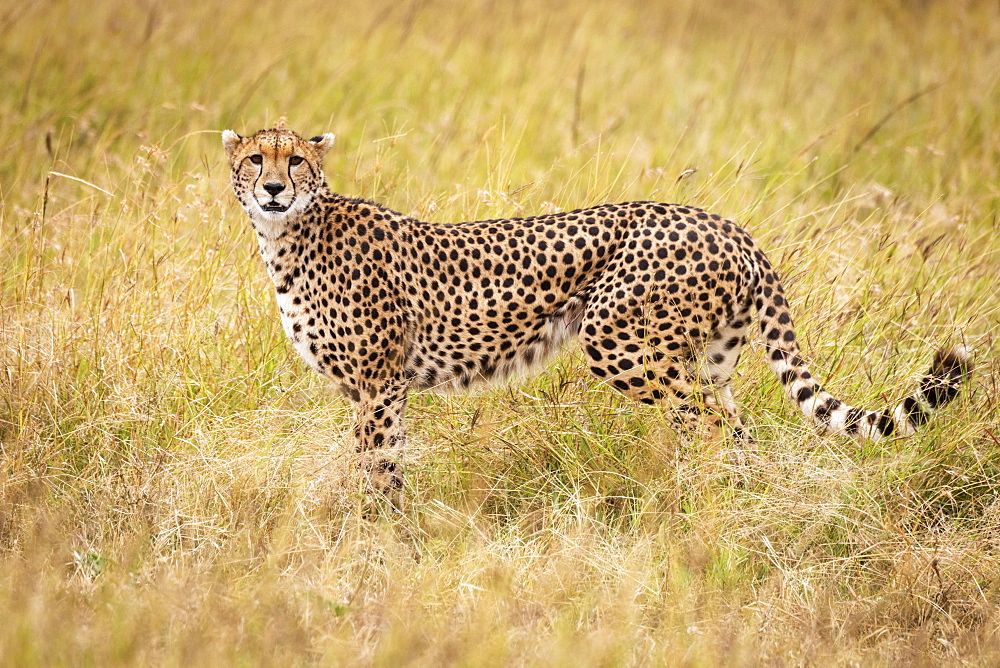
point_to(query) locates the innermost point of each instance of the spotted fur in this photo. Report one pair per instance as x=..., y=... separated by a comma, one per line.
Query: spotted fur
x=659, y=296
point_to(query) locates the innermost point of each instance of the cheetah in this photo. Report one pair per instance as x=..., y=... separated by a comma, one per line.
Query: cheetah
x=659, y=296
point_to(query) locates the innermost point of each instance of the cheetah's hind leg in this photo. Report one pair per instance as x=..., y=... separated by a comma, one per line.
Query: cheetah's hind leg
x=665, y=370
x=721, y=356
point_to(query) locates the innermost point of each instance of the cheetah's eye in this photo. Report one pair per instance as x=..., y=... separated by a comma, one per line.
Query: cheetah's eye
x=295, y=160
x=256, y=158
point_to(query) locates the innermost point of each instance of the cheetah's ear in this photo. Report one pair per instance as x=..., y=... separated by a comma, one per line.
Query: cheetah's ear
x=230, y=141
x=322, y=143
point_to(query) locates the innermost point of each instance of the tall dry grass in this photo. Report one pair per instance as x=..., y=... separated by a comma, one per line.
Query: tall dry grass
x=173, y=480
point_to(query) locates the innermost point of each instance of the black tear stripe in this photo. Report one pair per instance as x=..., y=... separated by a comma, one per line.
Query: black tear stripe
x=291, y=181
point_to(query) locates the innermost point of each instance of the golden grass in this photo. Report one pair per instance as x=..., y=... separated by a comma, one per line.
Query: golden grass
x=174, y=483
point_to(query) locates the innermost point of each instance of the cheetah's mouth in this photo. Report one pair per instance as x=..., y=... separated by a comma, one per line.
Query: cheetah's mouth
x=273, y=206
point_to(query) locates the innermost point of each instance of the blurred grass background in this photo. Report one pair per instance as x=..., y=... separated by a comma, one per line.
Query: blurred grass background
x=173, y=480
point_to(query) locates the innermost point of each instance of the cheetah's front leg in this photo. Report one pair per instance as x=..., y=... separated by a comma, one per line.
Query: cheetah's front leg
x=380, y=434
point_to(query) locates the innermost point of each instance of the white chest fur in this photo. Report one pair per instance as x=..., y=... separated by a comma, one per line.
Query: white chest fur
x=275, y=251
x=294, y=320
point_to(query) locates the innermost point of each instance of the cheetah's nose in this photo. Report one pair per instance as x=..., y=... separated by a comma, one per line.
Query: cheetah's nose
x=273, y=188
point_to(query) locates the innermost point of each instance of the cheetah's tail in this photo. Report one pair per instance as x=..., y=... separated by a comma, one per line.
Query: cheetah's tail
x=939, y=386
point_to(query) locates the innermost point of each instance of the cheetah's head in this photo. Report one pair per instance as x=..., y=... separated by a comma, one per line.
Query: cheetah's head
x=276, y=172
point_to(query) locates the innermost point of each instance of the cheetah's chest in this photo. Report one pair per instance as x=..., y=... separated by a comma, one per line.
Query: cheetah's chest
x=295, y=320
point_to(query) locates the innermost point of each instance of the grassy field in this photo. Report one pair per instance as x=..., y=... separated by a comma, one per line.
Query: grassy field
x=174, y=481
